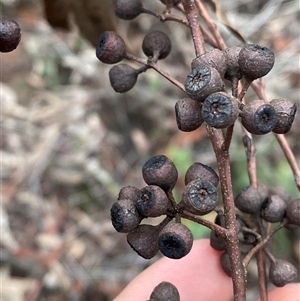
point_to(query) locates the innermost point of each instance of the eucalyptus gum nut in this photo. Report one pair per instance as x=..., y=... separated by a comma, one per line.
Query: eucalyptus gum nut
x=175, y=241
x=111, y=48
x=293, y=212
x=273, y=209
x=188, y=114
x=220, y=110
x=10, y=35
x=282, y=272
x=285, y=113
x=125, y=216
x=214, y=58
x=199, y=197
x=233, y=70
x=203, y=81
x=255, y=61
x=165, y=291
x=122, y=77
x=129, y=192
x=225, y=262
x=128, y=9
x=152, y=201
x=217, y=242
x=143, y=240
x=157, y=42
x=161, y=171
x=258, y=117
x=249, y=200
x=200, y=171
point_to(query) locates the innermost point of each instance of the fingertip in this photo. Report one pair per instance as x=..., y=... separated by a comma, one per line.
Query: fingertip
x=290, y=292
x=197, y=274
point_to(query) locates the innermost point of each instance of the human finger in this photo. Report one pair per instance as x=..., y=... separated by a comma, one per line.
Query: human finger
x=197, y=276
x=290, y=292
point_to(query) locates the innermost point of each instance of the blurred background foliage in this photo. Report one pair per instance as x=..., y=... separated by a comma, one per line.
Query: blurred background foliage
x=69, y=142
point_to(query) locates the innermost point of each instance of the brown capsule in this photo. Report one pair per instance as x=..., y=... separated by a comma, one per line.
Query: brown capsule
x=188, y=114
x=285, y=113
x=165, y=291
x=199, y=197
x=128, y=9
x=214, y=58
x=220, y=110
x=233, y=70
x=125, y=216
x=152, y=201
x=175, y=241
x=200, y=171
x=255, y=61
x=258, y=117
x=273, y=209
x=282, y=272
x=203, y=81
x=161, y=171
x=225, y=262
x=217, y=242
x=10, y=35
x=143, y=240
x=293, y=212
x=123, y=77
x=157, y=44
x=129, y=192
x=249, y=200
x=111, y=48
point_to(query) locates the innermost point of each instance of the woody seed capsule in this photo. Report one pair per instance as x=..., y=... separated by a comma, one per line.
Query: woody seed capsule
x=285, y=114
x=200, y=171
x=111, y=48
x=10, y=35
x=203, y=81
x=188, y=114
x=258, y=117
x=220, y=110
x=255, y=61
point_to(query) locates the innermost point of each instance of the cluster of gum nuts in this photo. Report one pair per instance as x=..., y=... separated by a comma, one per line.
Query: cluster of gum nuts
x=207, y=102
x=205, y=87
x=199, y=197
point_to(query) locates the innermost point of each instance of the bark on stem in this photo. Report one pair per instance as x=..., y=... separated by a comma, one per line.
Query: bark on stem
x=189, y=7
x=232, y=242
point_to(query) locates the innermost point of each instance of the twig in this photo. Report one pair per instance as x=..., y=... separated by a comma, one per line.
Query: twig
x=262, y=275
x=189, y=7
x=250, y=155
x=154, y=66
x=166, y=16
x=214, y=227
x=232, y=242
x=290, y=157
x=261, y=244
x=210, y=24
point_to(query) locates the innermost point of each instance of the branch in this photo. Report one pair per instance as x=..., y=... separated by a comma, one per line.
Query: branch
x=189, y=7
x=232, y=241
